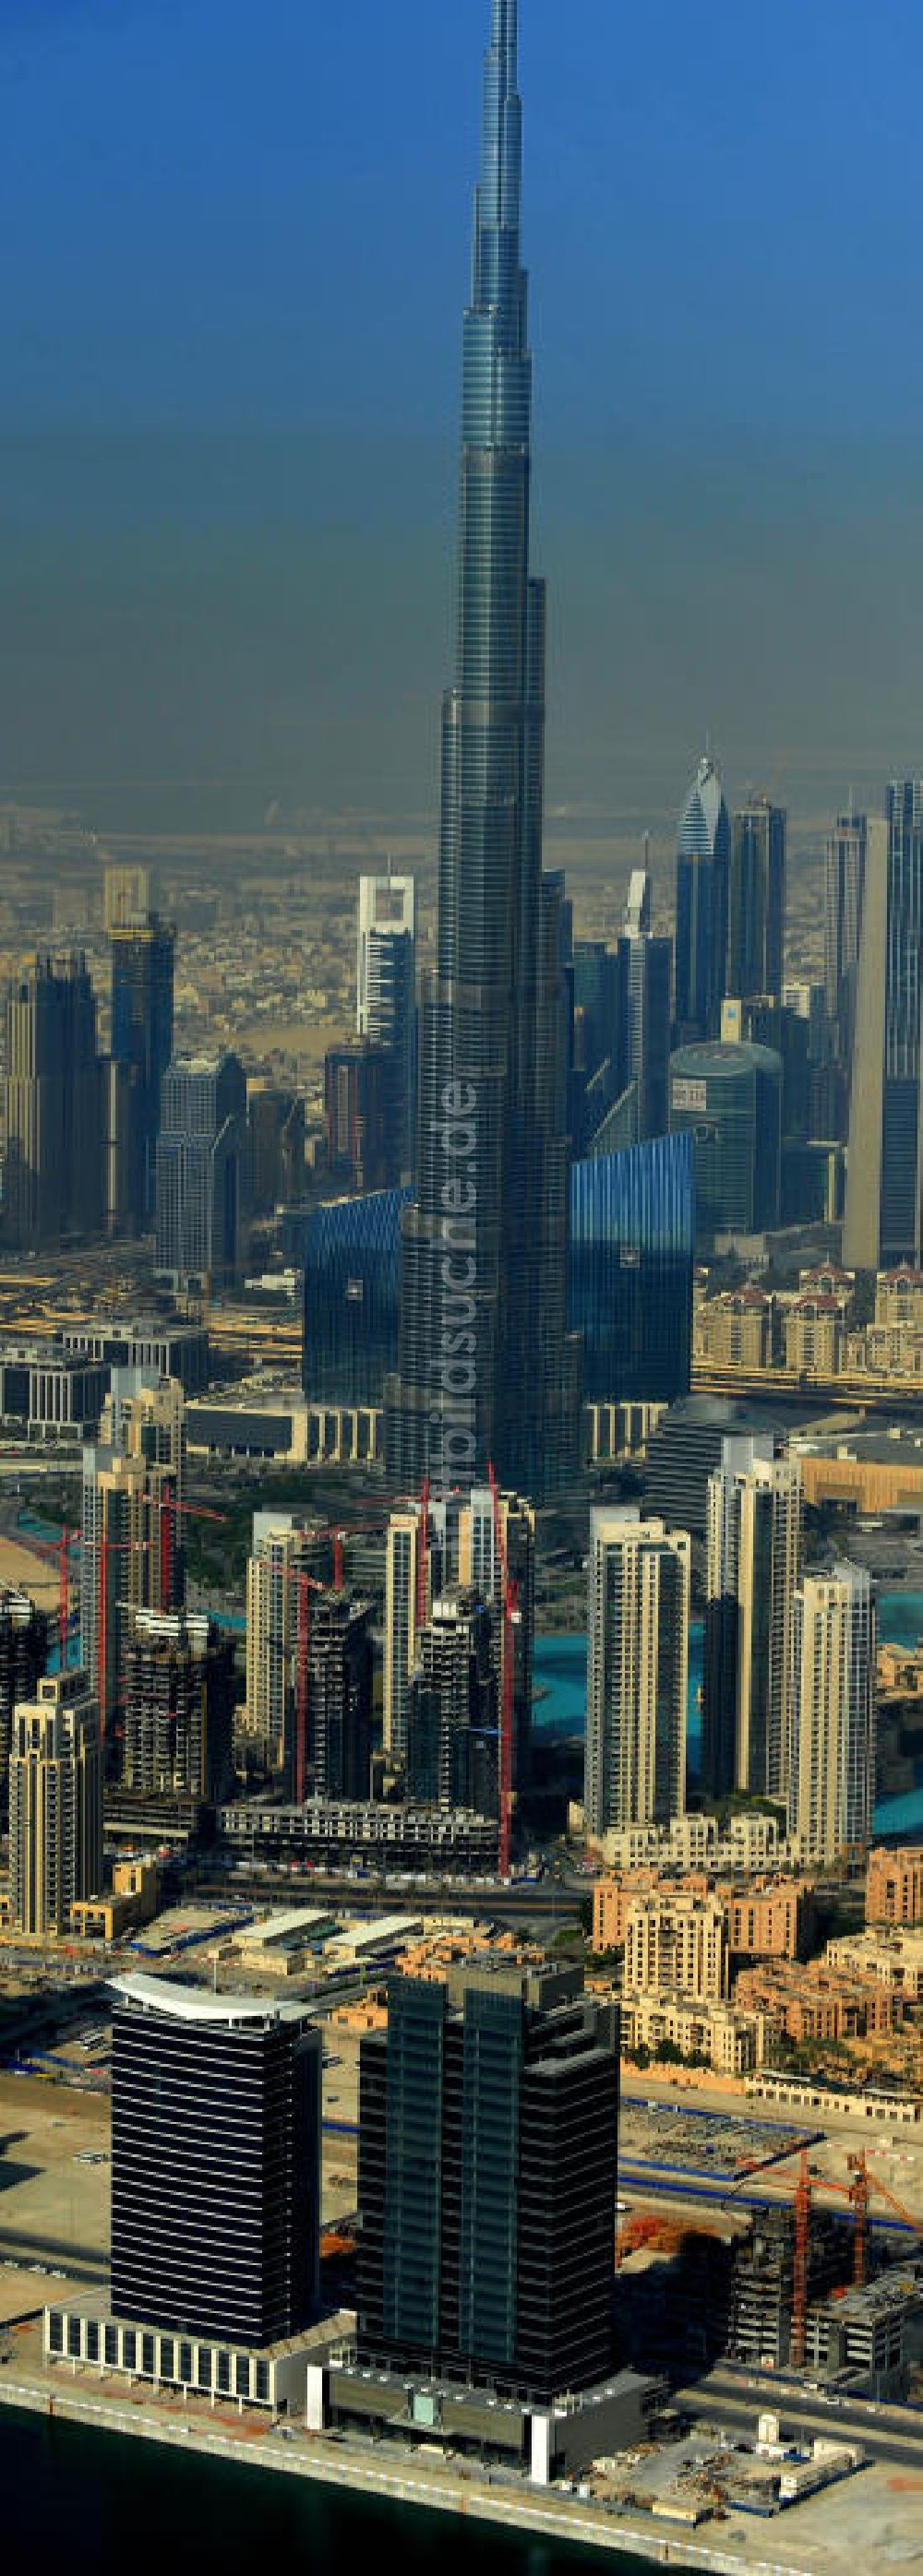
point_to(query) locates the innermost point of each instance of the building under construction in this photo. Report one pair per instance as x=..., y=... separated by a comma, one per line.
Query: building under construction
x=765, y=2289
x=179, y=1706
x=452, y=1708
x=339, y=1695
x=23, y=1660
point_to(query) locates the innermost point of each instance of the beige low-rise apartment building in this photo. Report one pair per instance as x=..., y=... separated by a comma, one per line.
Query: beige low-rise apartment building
x=730, y=2041
x=677, y=1944
x=765, y=1918
x=734, y=1330
x=894, y=1879
x=899, y=1297
x=815, y=1337
x=746, y=1842
x=887, y=1350
x=892, y=1954
x=819, y=2002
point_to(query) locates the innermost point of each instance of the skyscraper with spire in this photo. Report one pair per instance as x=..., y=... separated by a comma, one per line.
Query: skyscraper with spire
x=485, y=1371
x=702, y=868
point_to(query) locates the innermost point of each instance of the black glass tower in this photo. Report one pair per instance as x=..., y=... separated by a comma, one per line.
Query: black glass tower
x=488, y=2118
x=142, y=1039
x=215, y=2161
x=484, y=1362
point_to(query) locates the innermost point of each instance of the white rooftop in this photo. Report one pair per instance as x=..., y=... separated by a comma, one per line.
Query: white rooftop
x=184, y=2003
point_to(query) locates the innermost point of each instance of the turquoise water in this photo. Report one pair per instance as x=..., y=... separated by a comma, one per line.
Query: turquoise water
x=560, y=1676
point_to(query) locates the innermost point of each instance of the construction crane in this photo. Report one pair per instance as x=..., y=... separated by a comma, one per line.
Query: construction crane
x=858, y=2193
x=58, y=1554
x=422, y=1549
x=308, y=1583
x=509, y=1609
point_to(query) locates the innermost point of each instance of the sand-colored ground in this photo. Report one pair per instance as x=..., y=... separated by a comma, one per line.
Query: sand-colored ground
x=37, y=1575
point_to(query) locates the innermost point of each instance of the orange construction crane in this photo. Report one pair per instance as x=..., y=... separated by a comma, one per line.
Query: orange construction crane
x=864, y=2182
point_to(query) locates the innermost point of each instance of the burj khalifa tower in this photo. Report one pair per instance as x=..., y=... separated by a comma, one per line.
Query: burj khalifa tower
x=486, y=1373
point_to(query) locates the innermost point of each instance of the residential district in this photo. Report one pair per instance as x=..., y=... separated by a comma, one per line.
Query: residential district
x=461, y=1630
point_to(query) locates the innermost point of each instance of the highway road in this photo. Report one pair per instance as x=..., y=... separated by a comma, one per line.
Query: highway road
x=546, y=1904
x=735, y=2398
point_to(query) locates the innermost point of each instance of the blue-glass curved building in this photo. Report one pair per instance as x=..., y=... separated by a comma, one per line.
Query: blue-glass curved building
x=632, y=1236
x=629, y=1282
x=351, y=1285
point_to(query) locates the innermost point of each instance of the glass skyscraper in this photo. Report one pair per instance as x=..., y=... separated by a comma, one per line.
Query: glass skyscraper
x=756, y=901
x=884, y=1193
x=142, y=1039
x=702, y=863
x=483, y=1369
x=632, y=1219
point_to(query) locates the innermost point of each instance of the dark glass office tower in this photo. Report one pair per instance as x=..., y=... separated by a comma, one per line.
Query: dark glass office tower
x=488, y=2118
x=884, y=1192
x=339, y=1695
x=51, y=1104
x=844, y=886
x=142, y=1040
x=756, y=901
x=702, y=864
x=483, y=1370
x=215, y=2161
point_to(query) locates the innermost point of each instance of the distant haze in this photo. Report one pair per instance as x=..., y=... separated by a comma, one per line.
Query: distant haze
x=233, y=265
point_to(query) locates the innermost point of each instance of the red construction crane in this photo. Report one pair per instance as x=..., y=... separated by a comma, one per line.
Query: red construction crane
x=59, y=1554
x=422, y=1549
x=307, y=1583
x=800, y=2264
x=509, y=1608
x=859, y=2191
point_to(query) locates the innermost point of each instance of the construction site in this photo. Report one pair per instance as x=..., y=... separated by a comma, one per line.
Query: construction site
x=794, y=2286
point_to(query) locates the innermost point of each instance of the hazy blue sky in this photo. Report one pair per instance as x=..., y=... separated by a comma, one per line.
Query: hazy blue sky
x=233, y=256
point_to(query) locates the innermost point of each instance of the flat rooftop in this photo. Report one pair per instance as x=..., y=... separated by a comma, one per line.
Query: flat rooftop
x=174, y=2002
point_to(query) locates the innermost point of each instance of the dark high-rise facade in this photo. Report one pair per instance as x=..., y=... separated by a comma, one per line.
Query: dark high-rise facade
x=215, y=2162
x=23, y=1658
x=339, y=1695
x=359, y=1111
x=202, y=1168
x=488, y=2118
x=452, y=1741
x=756, y=901
x=483, y=1369
x=884, y=1194
x=702, y=866
x=51, y=1105
x=844, y=886
x=142, y=1041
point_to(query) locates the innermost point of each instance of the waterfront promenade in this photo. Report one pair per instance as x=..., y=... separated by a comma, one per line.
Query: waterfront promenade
x=818, y=2538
